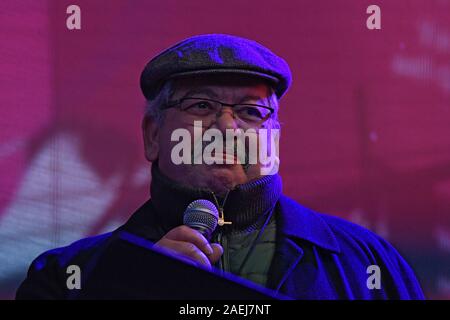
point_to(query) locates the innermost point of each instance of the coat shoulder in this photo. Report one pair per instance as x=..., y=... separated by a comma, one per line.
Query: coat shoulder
x=343, y=230
x=337, y=228
x=358, y=249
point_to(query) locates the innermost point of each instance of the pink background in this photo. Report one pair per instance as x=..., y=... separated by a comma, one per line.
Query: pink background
x=366, y=124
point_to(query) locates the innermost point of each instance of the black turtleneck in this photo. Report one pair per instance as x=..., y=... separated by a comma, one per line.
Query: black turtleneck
x=245, y=205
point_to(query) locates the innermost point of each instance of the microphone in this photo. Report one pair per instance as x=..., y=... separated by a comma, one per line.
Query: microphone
x=201, y=215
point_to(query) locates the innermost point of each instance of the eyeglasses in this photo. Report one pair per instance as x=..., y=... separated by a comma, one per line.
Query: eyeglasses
x=206, y=109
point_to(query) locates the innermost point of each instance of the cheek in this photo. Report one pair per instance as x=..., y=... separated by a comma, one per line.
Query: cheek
x=165, y=145
x=179, y=131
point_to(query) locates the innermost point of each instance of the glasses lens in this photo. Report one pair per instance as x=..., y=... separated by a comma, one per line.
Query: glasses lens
x=250, y=113
x=206, y=109
x=198, y=107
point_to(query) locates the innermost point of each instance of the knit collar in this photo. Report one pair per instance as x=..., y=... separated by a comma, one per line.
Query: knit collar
x=244, y=206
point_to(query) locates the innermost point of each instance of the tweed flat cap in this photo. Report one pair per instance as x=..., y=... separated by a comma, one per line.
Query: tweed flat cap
x=215, y=53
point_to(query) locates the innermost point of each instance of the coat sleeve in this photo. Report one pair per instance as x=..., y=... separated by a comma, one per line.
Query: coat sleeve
x=402, y=275
x=47, y=276
x=362, y=248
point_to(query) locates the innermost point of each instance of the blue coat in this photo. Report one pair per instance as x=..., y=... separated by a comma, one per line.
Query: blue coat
x=317, y=257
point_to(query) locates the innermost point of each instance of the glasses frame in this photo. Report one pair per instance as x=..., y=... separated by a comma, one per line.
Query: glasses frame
x=176, y=103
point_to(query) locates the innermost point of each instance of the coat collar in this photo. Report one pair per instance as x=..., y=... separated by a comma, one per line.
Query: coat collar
x=296, y=221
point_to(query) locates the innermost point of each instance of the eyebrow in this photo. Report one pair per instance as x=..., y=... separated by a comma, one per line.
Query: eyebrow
x=250, y=97
x=210, y=93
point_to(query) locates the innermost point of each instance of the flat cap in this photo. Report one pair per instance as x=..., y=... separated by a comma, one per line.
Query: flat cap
x=215, y=53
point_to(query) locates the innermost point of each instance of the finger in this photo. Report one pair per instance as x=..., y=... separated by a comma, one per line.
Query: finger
x=217, y=253
x=186, y=234
x=184, y=249
x=194, y=253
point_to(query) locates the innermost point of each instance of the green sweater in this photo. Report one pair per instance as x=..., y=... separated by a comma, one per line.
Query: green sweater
x=236, y=246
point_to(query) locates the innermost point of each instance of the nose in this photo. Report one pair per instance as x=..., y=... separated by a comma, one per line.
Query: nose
x=225, y=119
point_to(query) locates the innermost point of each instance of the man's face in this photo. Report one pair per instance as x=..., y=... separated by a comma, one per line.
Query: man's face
x=230, y=89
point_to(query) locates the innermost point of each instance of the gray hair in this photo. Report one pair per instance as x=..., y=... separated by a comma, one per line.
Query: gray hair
x=153, y=108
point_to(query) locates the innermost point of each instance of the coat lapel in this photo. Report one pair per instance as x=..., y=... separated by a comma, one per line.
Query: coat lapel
x=287, y=256
x=295, y=225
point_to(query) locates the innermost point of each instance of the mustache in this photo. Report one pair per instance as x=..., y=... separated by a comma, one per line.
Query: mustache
x=238, y=153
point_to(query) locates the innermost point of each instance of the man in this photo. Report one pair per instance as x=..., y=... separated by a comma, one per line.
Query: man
x=221, y=83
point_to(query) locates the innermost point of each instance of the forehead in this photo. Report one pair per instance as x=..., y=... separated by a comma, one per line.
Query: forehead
x=222, y=86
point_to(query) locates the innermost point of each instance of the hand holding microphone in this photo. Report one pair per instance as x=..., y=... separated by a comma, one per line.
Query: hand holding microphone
x=191, y=240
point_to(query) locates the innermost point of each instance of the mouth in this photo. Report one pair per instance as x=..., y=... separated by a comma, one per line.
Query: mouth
x=227, y=156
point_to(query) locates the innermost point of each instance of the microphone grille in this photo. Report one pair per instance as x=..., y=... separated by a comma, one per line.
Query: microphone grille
x=201, y=215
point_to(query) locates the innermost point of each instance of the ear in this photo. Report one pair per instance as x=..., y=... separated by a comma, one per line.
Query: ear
x=150, y=131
